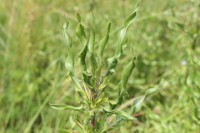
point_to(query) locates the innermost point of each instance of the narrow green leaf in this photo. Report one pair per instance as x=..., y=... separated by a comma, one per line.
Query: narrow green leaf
x=80, y=32
x=66, y=35
x=104, y=41
x=69, y=64
x=130, y=19
x=91, y=51
x=112, y=64
x=102, y=46
x=122, y=85
x=66, y=107
x=120, y=113
x=82, y=57
x=68, y=42
x=126, y=74
x=93, y=61
x=91, y=41
x=123, y=32
x=124, y=115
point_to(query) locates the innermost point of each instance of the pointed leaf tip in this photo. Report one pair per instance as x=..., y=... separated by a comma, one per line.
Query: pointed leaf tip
x=130, y=19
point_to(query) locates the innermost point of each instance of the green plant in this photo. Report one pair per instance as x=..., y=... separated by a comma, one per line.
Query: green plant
x=100, y=113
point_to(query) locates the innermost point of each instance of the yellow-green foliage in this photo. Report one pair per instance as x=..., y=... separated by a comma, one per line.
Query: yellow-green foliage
x=165, y=38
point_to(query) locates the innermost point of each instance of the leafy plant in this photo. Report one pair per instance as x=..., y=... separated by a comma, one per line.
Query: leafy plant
x=100, y=113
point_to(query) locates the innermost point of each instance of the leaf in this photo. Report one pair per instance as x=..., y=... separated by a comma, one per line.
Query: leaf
x=122, y=35
x=122, y=85
x=104, y=41
x=91, y=41
x=120, y=113
x=66, y=35
x=130, y=19
x=82, y=57
x=102, y=46
x=66, y=107
x=70, y=59
x=93, y=64
x=86, y=76
x=80, y=31
x=126, y=74
x=124, y=115
x=69, y=64
x=91, y=51
x=123, y=32
x=137, y=104
x=112, y=64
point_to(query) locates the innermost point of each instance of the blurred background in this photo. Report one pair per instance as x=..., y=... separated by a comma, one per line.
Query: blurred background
x=165, y=38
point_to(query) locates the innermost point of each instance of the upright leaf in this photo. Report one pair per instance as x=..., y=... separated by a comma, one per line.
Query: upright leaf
x=80, y=32
x=70, y=60
x=91, y=41
x=102, y=46
x=130, y=19
x=126, y=74
x=104, y=41
x=68, y=42
x=82, y=57
x=123, y=32
x=91, y=51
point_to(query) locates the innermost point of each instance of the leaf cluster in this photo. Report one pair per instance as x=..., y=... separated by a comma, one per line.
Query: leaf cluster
x=99, y=111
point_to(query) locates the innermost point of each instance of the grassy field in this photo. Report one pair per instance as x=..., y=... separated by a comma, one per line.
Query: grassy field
x=165, y=38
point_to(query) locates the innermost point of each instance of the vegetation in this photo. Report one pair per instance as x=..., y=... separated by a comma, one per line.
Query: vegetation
x=164, y=38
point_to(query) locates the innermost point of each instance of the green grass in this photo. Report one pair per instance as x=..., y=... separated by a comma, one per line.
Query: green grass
x=165, y=36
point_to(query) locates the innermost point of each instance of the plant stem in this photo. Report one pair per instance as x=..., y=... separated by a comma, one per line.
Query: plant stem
x=93, y=119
